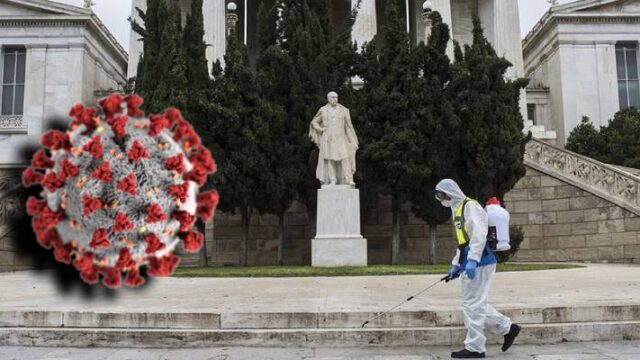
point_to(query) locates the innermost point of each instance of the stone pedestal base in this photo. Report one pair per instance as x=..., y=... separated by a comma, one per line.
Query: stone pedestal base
x=327, y=252
x=338, y=241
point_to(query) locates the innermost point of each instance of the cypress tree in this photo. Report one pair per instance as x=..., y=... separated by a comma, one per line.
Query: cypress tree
x=162, y=72
x=240, y=131
x=319, y=63
x=171, y=90
x=438, y=128
x=150, y=31
x=199, y=83
x=272, y=66
x=491, y=125
x=390, y=125
x=302, y=57
x=195, y=50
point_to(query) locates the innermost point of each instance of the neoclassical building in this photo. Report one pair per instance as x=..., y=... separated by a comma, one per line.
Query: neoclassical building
x=51, y=56
x=582, y=59
x=500, y=19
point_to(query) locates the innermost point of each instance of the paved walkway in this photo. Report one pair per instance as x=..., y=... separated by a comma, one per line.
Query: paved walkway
x=571, y=351
x=598, y=284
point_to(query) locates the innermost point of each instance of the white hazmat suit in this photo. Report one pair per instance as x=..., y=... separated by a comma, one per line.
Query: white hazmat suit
x=475, y=292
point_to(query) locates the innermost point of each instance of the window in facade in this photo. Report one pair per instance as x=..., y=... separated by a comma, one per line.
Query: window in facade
x=531, y=113
x=13, y=75
x=628, y=82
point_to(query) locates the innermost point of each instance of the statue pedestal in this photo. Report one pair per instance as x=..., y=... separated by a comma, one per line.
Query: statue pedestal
x=338, y=241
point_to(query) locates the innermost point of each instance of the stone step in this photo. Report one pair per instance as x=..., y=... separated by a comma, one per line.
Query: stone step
x=305, y=320
x=191, y=338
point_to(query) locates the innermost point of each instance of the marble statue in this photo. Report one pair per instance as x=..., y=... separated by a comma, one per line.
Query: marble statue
x=332, y=131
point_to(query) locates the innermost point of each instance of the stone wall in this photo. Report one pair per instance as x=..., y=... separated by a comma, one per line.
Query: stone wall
x=564, y=223
x=223, y=238
x=561, y=223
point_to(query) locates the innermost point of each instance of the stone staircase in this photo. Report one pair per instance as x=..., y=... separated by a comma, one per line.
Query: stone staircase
x=427, y=328
x=618, y=186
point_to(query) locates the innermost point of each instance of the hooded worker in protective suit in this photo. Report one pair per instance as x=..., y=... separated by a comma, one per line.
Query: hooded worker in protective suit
x=476, y=262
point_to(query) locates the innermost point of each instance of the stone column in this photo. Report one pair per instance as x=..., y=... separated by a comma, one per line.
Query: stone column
x=501, y=22
x=34, y=90
x=364, y=28
x=135, y=45
x=214, y=29
x=366, y=24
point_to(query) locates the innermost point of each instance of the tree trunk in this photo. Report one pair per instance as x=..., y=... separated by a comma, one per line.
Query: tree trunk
x=204, y=260
x=395, y=239
x=433, y=230
x=246, y=220
x=281, y=237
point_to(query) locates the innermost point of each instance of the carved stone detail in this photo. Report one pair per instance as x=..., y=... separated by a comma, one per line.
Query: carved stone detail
x=12, y=123
x=618, y=186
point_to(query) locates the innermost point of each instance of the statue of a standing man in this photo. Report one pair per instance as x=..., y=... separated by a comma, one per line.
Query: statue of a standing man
x=332, y=131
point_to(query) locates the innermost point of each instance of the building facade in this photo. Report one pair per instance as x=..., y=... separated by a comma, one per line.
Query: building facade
x=51, y=57
x=582, y=60
x=500, y=20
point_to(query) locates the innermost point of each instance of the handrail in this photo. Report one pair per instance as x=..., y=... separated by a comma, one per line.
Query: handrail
x=600, y=179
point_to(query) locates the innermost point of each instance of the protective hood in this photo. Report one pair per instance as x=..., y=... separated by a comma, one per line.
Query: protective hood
x=452, y=189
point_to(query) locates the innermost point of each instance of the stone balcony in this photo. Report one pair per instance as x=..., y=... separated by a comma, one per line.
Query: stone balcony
x=13, y=124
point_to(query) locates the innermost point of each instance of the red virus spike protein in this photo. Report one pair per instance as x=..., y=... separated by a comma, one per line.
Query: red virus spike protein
x=120, y=191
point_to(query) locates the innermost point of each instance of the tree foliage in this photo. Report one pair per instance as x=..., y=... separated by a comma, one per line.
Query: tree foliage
x=438, y=125
x=390, y=121
x=317, y=64
x=615, y=143
x=585, y=139
x=162, y=78
x=242, y=129
x=491, y=139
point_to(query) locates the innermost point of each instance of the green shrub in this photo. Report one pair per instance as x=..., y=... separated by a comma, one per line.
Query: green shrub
x=615, y=143
x=586, y=140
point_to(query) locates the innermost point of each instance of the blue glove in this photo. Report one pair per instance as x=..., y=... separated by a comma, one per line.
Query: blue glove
x=454, y=272
x=470, y=269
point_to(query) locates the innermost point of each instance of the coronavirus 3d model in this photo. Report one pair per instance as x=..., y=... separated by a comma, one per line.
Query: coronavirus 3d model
x=120, y=191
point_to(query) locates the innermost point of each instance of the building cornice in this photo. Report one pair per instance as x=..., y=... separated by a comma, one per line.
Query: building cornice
x=550, y=20
x=89, y=21
x=581, y=5
x=51, y=6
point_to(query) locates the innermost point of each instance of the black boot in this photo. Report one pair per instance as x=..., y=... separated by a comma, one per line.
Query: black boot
x=466, y=354
x=510, y=337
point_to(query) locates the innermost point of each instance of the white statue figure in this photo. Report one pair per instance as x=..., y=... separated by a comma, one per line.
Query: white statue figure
x=332, y=131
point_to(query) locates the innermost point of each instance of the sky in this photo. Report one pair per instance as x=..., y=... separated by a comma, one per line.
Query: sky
x=114, y=14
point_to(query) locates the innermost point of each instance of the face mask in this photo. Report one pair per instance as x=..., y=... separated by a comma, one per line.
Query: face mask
x=446, y=203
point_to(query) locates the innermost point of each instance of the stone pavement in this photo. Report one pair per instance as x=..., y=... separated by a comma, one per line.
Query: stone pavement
x=596, y=303
x=594, y=285
x=628, y=350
